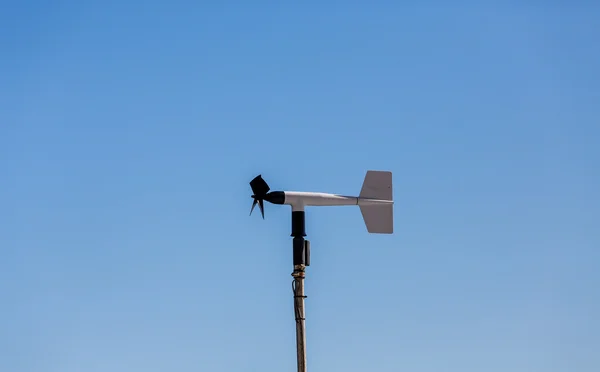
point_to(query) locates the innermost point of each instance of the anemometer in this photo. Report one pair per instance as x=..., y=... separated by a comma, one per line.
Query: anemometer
x=376, y=205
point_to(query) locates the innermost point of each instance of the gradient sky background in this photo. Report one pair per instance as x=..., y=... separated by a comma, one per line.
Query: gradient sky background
x=129, y=132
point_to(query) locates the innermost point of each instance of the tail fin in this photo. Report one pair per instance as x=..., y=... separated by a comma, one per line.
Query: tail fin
x=379, y=218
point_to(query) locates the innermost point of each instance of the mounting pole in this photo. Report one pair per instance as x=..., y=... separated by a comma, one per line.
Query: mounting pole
x=301, y=261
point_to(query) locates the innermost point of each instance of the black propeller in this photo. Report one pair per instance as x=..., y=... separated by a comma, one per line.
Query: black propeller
x=260, y=190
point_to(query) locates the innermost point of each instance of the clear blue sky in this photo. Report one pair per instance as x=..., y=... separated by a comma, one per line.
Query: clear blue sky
x=129, y=132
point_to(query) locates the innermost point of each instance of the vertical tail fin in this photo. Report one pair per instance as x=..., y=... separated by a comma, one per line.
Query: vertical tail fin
x=379, y=218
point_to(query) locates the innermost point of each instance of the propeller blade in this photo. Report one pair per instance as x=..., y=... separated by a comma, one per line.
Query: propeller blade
x=261, y=206
x=260, y=190
x=259, y=186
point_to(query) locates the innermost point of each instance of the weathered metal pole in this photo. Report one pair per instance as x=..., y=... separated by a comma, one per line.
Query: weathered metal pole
x=300, y=316
x=301, y=261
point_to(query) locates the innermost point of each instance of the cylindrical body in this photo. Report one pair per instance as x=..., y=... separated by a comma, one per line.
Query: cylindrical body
x=300, y=317
x=298, y=224
x=299, y=199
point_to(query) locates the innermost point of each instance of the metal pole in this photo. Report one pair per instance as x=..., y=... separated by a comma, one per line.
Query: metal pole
x=301, y=261
x=299, y=297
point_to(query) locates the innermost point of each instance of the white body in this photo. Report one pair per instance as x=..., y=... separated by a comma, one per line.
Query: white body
x=375, y=201
x=299, y=199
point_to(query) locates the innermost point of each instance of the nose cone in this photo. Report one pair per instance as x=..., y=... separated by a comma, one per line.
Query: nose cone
x=275, y=197
x=259, y=186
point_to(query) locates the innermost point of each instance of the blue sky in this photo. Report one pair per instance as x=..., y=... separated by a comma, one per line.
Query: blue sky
x=129, y=132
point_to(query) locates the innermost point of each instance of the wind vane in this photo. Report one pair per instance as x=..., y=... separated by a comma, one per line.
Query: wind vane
x=376, y=205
